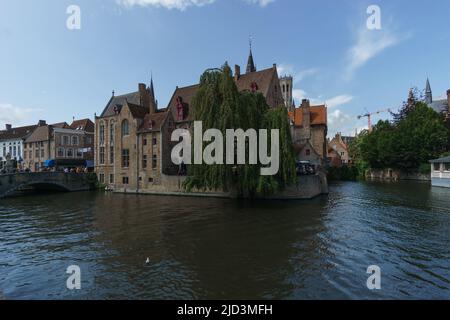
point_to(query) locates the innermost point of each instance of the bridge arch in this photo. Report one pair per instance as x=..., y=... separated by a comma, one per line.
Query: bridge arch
x=51, y=181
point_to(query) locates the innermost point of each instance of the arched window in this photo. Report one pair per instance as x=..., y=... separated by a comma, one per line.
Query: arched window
x=102, y=133
x=111, y=133
x=125, y=128
x=60, y=152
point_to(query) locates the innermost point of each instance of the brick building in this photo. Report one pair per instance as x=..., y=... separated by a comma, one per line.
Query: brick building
x=309, y=130
x=67, y=145
x=132, y=137
x=339, y=145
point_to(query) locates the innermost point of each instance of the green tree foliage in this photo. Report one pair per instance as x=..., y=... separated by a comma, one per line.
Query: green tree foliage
x=418, y=136
x=219, y=104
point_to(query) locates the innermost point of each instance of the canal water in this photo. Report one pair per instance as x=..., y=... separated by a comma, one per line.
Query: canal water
x=223, y=249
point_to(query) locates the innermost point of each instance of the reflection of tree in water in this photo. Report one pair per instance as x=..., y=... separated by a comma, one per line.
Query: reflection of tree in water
x=209, y=248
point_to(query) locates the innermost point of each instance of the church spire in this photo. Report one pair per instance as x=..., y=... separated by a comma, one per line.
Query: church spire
x=428, y=93
x=250, y=64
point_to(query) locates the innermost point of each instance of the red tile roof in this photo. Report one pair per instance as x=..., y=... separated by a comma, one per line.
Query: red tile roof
x=318, y=115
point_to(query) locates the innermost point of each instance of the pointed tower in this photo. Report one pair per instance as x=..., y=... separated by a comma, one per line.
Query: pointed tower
x=250, y=64
x=153, y=102
x=428, y=93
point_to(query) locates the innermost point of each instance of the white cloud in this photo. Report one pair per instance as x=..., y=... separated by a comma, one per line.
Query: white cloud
x=369, y=44
x=180, y=4
x=305, y=73
x=168, y=4
x=288, y=69
x=298, y=95
x=14, y=115
x=338, y=100
x=261, y=3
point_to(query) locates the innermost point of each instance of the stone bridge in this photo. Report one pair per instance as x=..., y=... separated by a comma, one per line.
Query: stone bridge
x=59, y=181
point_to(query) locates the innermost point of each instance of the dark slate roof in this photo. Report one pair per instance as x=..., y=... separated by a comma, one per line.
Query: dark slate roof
x=441, y=160
x=439, y=105
x=17, y=133
x=119, y=101
x=153, y=122
x=137, y=111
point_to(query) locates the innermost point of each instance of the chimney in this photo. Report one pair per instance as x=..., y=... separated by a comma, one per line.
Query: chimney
x=306, y=114
x=42, y=123
x=237, y=72
x=8, y=127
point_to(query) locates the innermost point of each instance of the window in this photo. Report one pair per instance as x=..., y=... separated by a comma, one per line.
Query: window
x=65, y=141
x=125, y=128
x=102, y=133
x=125, y=180
x=150, y=179
x=144, y=142
x=308, y=152
x=125, y=158
x=70, y=153
x=101, y=177
x=111, y=133
x=74, y=141
x=60, y=152
x=79, y=153
x=447, y=166
x=31, y=154
x=102, y=155
x=111, y=155
x=144, y=161
x=155, y=141
x=154, y=161
x=111, y=178
x=42, y=153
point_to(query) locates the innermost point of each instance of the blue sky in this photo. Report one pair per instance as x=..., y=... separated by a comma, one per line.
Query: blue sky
x=50, y=72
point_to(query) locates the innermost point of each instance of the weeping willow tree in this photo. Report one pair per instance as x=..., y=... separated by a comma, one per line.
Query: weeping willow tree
x=219, y=105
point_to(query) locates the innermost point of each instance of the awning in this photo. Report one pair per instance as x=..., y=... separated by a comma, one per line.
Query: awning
x=441, y=160
x=90, y=163
x=50, y=163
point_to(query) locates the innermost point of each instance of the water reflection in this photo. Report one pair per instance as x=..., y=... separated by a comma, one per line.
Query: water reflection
x=218, y=248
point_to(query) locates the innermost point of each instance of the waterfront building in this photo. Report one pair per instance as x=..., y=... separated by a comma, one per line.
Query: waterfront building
x=132, y=139
x=59, y=144
x=309, y=128
x=341, y=147
x=440, y=172
x=11, y=141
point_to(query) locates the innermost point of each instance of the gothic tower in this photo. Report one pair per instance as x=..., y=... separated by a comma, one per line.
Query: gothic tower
x=251, y=64
x=286, y=83
x=428, y=93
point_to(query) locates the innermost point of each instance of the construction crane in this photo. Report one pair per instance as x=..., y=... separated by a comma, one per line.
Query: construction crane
x=369, y=115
